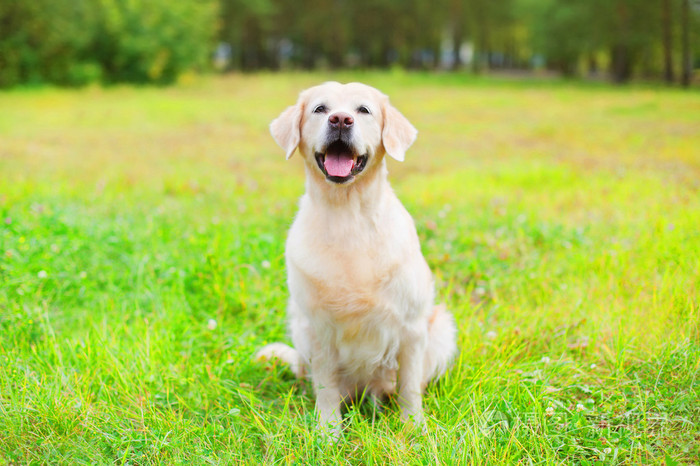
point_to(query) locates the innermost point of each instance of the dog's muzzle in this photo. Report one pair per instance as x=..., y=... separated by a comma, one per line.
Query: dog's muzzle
x=339, y=163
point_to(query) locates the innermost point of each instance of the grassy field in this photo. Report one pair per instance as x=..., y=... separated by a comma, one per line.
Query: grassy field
x=141, y=266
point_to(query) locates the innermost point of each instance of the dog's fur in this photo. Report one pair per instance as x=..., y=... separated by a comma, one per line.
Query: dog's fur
x=361, y=294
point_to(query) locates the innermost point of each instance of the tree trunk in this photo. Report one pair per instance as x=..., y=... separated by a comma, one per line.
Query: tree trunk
x=621, y=60
x=687, y=65
x=481, y=33
x=666, y=23
x=592, y=65
x=621, y=63
x=482, y=50
x=457, y=33
x=456, y=46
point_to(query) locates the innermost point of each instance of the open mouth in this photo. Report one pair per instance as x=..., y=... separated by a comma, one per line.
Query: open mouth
x=339, y=163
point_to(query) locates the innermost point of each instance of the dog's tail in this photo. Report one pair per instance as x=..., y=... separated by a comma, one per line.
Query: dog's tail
x=284, y=353
x=442, y=343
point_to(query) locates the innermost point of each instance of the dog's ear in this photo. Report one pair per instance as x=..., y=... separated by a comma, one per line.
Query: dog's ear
x=285, y=129
x=398, y=133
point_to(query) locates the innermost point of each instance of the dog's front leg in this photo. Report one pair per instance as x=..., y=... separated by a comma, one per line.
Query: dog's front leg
x=411, y=355
x=328, y=396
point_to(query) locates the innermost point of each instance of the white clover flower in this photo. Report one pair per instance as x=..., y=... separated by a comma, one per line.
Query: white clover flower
x=265, y=264
x=549, y=411
x=580, y=407
x=211, y=324
x=42, y=274
x=545, y=359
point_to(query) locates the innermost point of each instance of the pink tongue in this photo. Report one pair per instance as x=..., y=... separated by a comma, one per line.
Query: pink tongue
x=338, y=164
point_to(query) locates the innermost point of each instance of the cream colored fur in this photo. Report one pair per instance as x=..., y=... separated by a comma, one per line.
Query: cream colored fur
x=361, y=312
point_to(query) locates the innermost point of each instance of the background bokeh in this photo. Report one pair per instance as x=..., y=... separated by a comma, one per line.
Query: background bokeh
x=74, y=42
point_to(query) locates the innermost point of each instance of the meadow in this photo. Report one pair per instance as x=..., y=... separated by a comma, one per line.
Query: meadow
x=142, y=265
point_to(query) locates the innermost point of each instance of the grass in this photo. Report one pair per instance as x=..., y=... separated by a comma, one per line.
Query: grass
x=142, y=237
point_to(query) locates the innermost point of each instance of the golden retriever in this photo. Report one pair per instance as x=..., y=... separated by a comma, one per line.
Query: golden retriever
x=361, y=307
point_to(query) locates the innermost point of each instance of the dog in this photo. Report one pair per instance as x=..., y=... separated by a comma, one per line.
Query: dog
x=361, y=313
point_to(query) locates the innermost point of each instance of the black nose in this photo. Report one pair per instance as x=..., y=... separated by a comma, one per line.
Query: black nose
x=341, y=120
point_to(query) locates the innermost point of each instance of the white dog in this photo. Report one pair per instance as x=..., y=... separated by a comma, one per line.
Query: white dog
x=361, y=294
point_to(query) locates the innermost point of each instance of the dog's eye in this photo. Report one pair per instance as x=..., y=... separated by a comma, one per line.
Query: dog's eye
x=363, y=109
x=320, y=109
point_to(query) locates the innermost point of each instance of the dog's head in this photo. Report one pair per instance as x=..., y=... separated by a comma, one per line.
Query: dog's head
x=343, y=130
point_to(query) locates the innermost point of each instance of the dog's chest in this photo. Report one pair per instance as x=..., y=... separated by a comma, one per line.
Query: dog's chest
x=346, y=268
x=350, y=286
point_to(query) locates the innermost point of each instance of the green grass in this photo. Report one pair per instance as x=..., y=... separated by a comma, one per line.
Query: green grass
x=561, y=221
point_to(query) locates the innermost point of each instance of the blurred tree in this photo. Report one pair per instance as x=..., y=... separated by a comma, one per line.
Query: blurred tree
x=322, y=32
x=457, y=29
x=567, y=31
x=378, y=33
x=152, y=40
x=686, y=57
x=246, y=25
x=46, y=40
x=483, y=18
x=632, y=29
x=667, y=26
x=564, y=31
x=489, y=26
x=77, y=41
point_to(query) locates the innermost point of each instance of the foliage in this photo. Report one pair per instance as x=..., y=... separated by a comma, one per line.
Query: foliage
x=45, y=40
x=72, y=43
x=75, y=42
x=141, y=265
x=622, y=36
x=152, y=40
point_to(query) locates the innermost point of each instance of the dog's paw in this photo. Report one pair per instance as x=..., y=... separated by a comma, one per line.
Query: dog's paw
x=414, y=421
x=330, y=432
x=273, y=351
x=284, y=353
x=415, y=426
